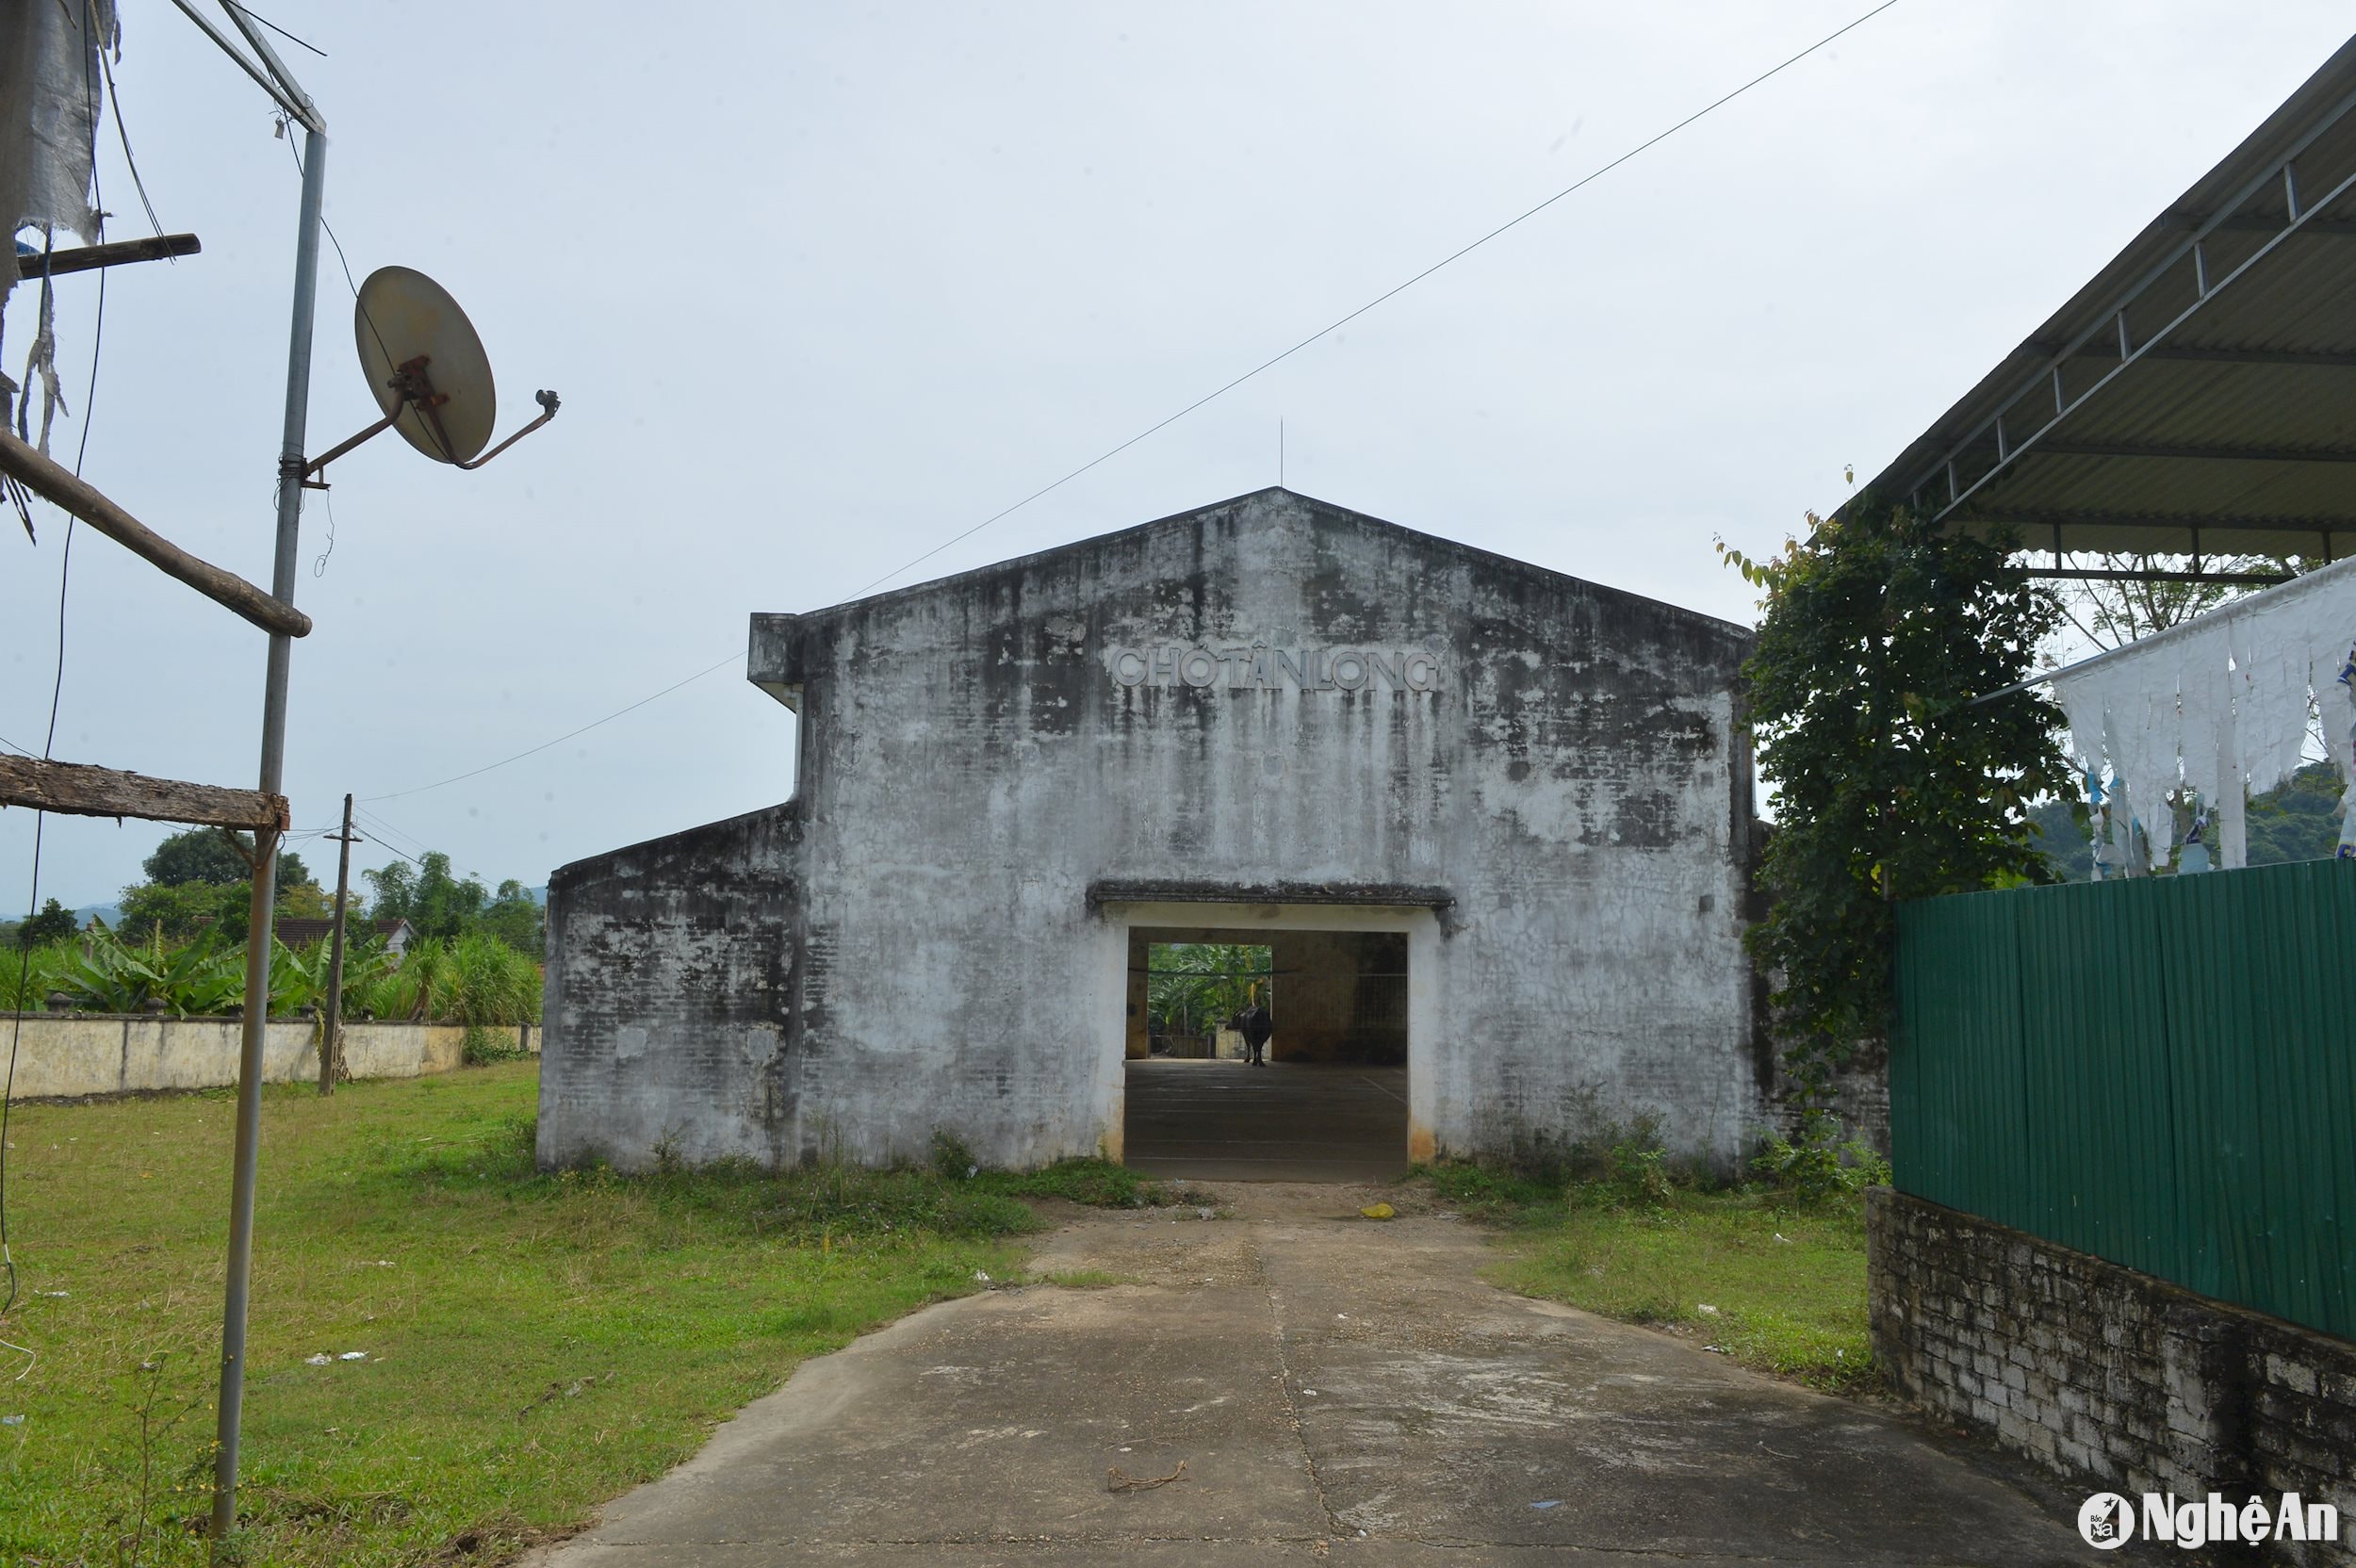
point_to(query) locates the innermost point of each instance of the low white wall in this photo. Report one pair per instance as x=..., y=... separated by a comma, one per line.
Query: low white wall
x=76, y=1053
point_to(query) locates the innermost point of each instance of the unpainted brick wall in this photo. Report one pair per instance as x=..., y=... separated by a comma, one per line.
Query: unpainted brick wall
x=2107, y=1374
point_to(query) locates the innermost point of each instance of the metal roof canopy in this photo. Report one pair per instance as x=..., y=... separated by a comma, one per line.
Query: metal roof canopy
x=2197, y=398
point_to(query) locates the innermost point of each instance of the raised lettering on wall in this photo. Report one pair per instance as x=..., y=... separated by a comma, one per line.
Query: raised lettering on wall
x=1260, y=667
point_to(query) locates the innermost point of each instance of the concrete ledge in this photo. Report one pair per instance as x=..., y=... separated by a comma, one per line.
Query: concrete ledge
x=1384, y=895
x=2106, y=1374
x=71, y=1055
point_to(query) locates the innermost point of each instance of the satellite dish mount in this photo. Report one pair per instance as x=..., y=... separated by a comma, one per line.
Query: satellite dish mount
x=429, y=373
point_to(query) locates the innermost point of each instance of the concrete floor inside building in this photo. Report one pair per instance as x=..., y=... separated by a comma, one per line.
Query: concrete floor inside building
x=1287, y=1121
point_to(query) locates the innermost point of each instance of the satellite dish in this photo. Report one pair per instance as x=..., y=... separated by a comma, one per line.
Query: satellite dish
x=402, y=317
x=427, y=372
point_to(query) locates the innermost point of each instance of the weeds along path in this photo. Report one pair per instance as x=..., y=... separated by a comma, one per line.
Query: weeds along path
x=1287, y=1379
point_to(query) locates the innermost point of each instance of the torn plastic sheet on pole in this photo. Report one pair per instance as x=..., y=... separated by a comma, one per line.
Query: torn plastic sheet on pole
x=50, y=83
x=2223, y=695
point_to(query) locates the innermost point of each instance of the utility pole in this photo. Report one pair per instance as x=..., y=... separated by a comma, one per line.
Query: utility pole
x=245, y=1169
x=332, y=1038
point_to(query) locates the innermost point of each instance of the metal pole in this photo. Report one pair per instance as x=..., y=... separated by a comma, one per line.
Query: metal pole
x=258, y=935
x=331, y=1044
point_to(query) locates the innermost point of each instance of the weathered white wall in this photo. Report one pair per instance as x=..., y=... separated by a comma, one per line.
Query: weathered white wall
x=80, y=1054
x=986, y=780
x=670, y=967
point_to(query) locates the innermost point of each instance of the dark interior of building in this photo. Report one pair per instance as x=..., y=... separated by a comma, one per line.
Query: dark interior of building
x=1329, y=1102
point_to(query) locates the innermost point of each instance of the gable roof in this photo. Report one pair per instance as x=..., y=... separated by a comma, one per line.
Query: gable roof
x=303, y=930
x=1430, y=544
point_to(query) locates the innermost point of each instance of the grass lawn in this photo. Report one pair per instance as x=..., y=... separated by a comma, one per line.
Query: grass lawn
x=1775, y=1284
x=534, y=1345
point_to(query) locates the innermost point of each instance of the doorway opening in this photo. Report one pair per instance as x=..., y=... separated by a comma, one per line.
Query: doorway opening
x=1328, y=1101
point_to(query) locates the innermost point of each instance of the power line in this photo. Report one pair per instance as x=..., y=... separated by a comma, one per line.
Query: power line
x=585, y=729
x=1213, y=396
x=1335, y=326
x=280, y=31
x=341, y=260
x=114, y=102
x=49, y=745
x=386, y=832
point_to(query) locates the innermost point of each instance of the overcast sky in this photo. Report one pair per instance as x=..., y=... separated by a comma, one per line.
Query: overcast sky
x=823, y=286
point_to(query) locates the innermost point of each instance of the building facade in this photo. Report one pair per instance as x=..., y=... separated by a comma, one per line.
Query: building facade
x=1270, y=716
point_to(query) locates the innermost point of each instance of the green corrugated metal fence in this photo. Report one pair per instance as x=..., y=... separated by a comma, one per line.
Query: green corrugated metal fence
x=2160, y=1072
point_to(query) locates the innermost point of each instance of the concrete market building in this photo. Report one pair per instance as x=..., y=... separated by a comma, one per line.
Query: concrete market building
x=1491, y=826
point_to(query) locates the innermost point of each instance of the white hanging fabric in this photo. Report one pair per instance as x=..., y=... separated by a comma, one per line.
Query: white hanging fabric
x=2221, y=703
x=49, y=97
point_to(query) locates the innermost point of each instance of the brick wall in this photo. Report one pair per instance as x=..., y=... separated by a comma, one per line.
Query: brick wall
x=2107, y=1374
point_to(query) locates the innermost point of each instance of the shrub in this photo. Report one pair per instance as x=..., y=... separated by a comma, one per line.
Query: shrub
x=1639, y=1166
x=952, y=1158
x=1818, y=1166
x=475, y=980
x=486, y=1045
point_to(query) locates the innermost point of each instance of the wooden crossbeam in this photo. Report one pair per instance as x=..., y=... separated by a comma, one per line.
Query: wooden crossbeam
x=80, y=790
x=61, y=485
x=57, y=264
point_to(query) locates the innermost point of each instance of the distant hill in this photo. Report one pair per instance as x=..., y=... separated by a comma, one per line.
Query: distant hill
x=2293, y=821
x=110, y=913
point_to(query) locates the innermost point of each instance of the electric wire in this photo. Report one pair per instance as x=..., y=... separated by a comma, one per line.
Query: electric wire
x=1336, y=325
x=544, y=745
x=1209, y=396
x=345, y=262
x=281, y=31
x=386, y=832
x=114, y=102
x=40, y=818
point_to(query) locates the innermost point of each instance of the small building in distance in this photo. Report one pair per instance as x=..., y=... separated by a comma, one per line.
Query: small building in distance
x=1492, y=826
x=300, y=931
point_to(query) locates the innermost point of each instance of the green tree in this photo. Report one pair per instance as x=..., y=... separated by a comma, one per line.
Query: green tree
x=216, y=855
x=1878, y=630
x=200, y=855
x=437, y=905
x=2297, y=819
x=514, y=917
x=2063, y=838
x=179, y=910
x=55, y=923
x=202, y=879
x=1197, y=986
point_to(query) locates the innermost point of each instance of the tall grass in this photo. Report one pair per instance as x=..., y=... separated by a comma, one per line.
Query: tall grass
x=475, y=980
x=41, y=970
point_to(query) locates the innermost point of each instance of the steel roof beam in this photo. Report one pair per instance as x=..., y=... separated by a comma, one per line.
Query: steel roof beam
x=2224, y=455
x=2336, y=228
x=2051, y=521
x=2047, y=381
x=2090, y=574
x=2328, y=359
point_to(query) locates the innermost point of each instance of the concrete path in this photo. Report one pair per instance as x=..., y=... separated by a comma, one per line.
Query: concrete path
x=1336, y=1389
x=1292, y=1121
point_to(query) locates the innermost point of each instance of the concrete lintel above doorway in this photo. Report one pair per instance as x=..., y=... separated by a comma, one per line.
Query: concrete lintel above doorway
x=1381, y=896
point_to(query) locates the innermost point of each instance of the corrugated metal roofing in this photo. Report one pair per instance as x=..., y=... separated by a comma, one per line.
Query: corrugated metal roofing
x=2228, y=424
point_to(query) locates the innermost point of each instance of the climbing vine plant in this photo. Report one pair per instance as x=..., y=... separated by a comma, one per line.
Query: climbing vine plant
x=1877, y=630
